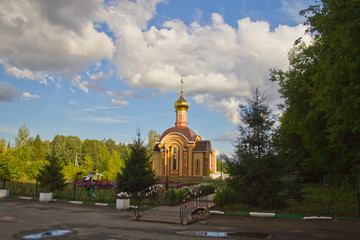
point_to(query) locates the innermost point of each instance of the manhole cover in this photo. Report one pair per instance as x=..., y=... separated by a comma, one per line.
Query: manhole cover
x=51, y=233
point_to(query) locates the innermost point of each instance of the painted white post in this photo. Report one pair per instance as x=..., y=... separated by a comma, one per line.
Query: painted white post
x=122, y=204
x=46, y=197
x=4, y=193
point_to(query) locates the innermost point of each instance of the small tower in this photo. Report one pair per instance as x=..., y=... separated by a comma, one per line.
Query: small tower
x=181, y=106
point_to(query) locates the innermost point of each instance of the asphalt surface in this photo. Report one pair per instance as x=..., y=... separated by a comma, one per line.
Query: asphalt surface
x=20, y=218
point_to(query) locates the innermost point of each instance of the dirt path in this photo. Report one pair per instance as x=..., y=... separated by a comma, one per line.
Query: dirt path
x=19, y=218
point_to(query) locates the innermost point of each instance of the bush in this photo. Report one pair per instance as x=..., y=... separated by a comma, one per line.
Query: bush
x=207, y=189
x=225, y=196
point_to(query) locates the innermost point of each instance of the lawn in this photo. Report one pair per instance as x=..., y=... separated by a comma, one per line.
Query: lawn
x=318, y=200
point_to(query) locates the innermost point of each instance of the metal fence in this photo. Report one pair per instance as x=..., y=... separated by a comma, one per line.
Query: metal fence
x=72, y=191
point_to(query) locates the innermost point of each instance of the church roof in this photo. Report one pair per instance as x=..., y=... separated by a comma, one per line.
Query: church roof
x=181, y=103
x=188, y=133
x=201, y=146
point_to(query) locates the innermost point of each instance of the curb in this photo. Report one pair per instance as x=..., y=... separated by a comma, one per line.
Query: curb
x=283, y=215
x=68, y=201
x=250, y=214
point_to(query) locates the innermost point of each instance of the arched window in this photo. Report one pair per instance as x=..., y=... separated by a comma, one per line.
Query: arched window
x=174, y=158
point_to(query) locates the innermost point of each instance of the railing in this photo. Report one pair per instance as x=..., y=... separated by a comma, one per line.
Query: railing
x=149, y=198
x=191, y=202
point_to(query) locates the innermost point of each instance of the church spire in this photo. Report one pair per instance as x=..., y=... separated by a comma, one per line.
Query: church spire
x=181, y=106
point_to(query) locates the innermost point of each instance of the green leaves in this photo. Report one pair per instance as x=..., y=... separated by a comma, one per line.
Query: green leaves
x=321, y=92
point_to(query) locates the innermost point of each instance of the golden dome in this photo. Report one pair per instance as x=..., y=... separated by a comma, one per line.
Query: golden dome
x=181, y=103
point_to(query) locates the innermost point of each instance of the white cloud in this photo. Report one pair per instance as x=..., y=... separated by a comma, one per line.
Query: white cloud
x=57, y=38
x=27, y=96
x=84, y=86
x=8, y=130
x=104, y=120
x=7, y=93
x=218, y=62
x=100, y=76
x=99, y=107
x=228, y=136
x=118, y=102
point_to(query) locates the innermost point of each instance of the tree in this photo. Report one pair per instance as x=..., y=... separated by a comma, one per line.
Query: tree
x=23, y=136
x=92, y=148
x=137, y=173
x=50, y=175
x=88, y=164
x=321, y=92
x=23, y=154
x=255, y=172
x=38, y=157
x=153, y=137
x=4, y=161
x=66, y=148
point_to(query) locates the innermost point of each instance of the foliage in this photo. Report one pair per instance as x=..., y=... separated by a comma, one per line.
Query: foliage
x=320, y=127
x=5, y=158
x=50, y=175
x=153, y=137
x=207, y=189
x=137, y=173
x=255, y=170
x=23, y=161
x=221, y=165
x=225, y=196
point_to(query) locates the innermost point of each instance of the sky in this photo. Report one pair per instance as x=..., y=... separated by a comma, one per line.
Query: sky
x=101, y=69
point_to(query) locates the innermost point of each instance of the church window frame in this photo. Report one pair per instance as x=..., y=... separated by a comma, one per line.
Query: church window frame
x=174, y=159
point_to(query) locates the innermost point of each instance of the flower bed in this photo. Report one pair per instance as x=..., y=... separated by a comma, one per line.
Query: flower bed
x=106, y=185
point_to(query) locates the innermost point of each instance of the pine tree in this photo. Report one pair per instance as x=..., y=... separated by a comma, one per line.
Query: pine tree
x=255, y=173
x=50, y=175
x=137, y=173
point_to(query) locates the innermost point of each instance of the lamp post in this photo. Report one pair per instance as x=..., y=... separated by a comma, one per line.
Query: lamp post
x=167, y=168
x=221, y=165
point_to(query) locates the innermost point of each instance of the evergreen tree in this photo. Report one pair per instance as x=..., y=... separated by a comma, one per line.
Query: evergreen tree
x=137, y=173
x=50, y=176
x=255, y=172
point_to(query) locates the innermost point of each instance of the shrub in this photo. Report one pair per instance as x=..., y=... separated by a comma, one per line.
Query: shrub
x=225, y=196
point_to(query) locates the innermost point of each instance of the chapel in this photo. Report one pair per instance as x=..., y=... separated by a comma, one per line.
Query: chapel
x=181, y=152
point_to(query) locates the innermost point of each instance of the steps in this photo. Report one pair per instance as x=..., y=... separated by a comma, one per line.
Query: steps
x=162, y=214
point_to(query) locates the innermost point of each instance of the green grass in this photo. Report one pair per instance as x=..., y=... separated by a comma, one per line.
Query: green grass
x=318, y=200
x=326, y=200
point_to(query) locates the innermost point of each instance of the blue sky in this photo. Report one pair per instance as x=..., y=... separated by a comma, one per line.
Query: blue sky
x=97, y=70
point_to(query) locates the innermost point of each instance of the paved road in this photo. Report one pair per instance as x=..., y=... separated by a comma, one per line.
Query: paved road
x=19, y=218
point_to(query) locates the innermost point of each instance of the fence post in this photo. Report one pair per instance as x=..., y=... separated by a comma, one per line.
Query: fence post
x=358, y=195
x=74, y=188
